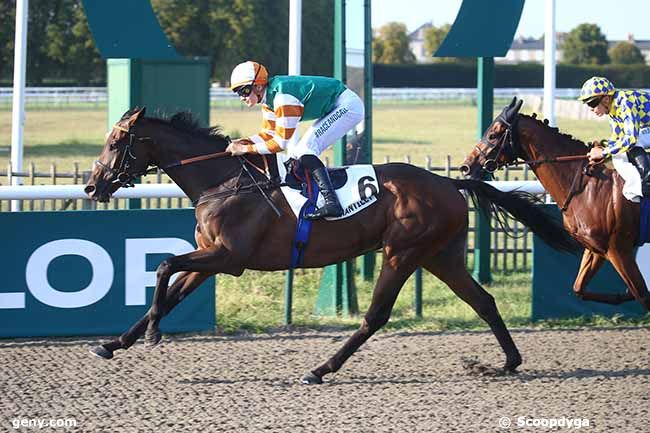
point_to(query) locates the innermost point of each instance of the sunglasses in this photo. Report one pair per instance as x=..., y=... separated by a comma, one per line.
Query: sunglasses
x=594, y=102
x=244, y=91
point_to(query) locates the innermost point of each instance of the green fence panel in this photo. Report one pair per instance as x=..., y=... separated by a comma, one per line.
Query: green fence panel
x=163, y=86
x=93, y=273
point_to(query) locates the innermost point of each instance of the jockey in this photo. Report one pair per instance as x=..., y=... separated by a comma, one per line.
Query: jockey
x=285, y=101
x=629, y=119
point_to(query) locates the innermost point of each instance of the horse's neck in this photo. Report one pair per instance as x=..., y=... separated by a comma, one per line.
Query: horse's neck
x=558, y=178
x=193, y=178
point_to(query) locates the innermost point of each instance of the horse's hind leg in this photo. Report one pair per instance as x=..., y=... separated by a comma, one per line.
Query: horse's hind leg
x=184, y=284
x=590, y=264
x=449, y=266
x=626, y=266
x=388, y=285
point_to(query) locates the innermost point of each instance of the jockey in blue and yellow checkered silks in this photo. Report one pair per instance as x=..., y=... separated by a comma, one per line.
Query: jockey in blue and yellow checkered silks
x=629, y=112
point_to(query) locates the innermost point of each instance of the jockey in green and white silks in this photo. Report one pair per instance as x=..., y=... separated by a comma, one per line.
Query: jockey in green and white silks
x=287, y=100
x=629, y=119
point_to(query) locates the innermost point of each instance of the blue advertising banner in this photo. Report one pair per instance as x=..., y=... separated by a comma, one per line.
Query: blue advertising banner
x=554, y=274
x=93, y=272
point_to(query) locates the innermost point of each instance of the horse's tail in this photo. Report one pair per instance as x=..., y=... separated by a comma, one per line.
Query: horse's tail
x=522, y=206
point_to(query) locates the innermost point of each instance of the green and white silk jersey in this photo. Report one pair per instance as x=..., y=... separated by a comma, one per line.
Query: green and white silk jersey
x=288, y=100
x=629, y=113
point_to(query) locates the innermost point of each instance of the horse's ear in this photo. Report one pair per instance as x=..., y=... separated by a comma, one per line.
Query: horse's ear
x=137, y=113
x=519, y=104
x=513, y=102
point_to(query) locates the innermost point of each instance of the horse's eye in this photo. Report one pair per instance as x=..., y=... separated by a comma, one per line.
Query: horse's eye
x=492, y=136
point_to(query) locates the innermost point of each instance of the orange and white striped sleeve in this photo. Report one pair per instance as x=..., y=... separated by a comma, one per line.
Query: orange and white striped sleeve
x=277, y=126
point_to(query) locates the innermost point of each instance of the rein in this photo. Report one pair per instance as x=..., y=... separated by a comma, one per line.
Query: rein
x=126, y=179
x=556, y=159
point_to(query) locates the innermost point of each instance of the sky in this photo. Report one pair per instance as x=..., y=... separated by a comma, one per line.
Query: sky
x=616, y=18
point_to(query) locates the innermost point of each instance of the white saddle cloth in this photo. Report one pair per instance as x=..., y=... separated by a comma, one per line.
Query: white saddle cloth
x=359, y=192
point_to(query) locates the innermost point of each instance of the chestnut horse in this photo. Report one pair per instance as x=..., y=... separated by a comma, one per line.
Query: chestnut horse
x=593, y=208
x=419, y=219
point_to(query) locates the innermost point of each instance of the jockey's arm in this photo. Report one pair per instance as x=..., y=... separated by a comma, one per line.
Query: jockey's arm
x=278, y=126
x=625, y=134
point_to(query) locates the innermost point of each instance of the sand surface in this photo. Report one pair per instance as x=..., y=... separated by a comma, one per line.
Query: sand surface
x=401, y=382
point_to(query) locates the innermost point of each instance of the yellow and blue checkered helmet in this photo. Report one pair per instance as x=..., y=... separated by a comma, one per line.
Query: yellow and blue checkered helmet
x=596, y=86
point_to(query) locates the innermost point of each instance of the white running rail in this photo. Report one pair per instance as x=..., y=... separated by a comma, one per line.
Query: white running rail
x=44, y=192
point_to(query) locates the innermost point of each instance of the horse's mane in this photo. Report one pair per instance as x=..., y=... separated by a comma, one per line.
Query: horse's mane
x=185, y=121
x=545, y=125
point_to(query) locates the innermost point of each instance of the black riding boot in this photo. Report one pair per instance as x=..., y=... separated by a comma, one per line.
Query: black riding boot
x=638, y=156
x=332, y=207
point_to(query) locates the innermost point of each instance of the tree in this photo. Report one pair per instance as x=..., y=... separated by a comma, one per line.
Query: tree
x=626, y=53
x=585, y=44
x=433, y=37
x=230, y=32
x=391, y=45
x=8, y=18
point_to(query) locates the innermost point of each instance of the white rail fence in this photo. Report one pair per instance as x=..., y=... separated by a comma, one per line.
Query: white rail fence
x=171, y=190
x=62, y=96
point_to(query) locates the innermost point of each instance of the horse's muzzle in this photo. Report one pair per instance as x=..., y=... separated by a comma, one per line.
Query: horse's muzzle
x=91, y=192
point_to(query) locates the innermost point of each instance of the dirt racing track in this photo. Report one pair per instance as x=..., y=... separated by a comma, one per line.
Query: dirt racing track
x=398, y=382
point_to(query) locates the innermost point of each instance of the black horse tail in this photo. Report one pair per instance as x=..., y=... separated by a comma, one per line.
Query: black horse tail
x=523, y=207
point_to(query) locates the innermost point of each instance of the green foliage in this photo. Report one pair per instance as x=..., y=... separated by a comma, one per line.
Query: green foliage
x=61, y=47
x=433, y=37
x=59, y=43
x=626, y=53
x=585, y=45
x=8, y=20
x=391, y=45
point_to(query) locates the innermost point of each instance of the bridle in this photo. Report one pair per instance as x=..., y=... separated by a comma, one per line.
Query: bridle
x=124, y=179
x=508, y=145
x=511, y=147
x=121, y=175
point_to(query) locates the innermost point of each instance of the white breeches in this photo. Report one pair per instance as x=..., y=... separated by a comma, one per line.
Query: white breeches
x=348, y=111
x=631, y=176
x=627, y=170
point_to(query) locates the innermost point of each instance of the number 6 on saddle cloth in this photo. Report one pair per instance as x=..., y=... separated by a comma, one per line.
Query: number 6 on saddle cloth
x=356, y=187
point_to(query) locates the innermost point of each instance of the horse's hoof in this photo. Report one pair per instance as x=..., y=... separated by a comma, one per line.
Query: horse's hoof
x=102, y=352
x=512, y=364
x=152, y=338
x=311, y=379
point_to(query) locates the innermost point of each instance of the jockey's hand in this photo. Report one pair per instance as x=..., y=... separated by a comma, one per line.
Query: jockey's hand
x=596, y=155
x=239, y=147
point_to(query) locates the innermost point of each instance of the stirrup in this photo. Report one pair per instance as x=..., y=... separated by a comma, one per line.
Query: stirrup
x=324, y=212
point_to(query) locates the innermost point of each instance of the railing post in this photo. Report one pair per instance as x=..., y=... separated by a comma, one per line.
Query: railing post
x=485, y=104
x=288, y=297
x=417, y=298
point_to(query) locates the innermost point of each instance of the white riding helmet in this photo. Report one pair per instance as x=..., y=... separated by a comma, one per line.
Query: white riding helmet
x=248, y=73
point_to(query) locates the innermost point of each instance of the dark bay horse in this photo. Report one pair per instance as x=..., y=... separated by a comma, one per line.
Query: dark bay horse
x=419, y=219
x=593, y=208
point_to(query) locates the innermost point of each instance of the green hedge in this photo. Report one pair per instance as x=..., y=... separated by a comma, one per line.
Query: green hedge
x=519, y=75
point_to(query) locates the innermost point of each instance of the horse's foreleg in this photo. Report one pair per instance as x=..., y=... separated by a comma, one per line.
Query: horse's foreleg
x=207, y=261
x=590, y=264
x=449, y=267
x=185, y=284
x=388, y=285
